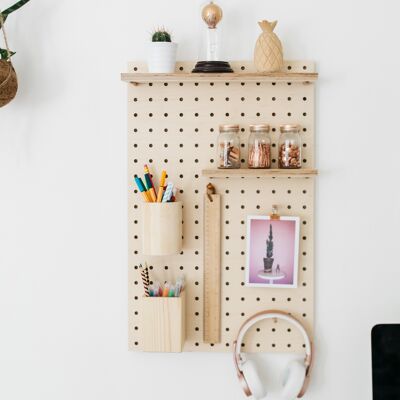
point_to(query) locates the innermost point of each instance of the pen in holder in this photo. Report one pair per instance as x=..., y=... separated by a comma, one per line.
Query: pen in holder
x=163, y=321
x=162, y=228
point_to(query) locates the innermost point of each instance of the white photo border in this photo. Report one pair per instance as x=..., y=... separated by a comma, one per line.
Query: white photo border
x=294, y=285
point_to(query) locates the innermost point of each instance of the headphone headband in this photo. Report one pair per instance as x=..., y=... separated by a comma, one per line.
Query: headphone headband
x=271, y=314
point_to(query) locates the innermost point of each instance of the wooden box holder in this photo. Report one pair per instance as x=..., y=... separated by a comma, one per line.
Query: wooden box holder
x=162, y=228
x=163, y=323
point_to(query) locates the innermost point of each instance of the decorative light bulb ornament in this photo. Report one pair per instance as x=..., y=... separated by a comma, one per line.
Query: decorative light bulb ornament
x=212, y=15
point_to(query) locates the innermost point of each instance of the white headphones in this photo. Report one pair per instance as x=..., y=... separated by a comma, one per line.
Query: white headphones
x=296, y=375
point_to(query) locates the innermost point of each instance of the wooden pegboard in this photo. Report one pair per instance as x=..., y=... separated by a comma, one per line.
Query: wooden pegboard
x=174, y=126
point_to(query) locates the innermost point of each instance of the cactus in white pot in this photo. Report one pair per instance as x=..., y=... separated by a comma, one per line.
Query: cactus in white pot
x=162, y=52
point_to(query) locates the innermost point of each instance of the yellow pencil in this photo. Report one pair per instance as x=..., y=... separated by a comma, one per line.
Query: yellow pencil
x=150, y=195
x=161, y=188
x=145, y=197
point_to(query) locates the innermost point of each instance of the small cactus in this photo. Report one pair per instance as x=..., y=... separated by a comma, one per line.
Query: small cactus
x=161, y=35
x=270, y=243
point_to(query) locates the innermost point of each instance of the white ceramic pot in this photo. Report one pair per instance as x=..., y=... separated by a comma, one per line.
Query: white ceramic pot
x=162, y=57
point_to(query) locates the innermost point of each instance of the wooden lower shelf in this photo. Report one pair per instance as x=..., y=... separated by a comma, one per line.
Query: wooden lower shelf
x=260, y=173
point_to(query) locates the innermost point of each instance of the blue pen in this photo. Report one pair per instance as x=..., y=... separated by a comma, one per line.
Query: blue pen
x=141, y=188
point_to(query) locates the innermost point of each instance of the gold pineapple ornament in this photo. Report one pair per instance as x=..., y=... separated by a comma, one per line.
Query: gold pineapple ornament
x=268, y=53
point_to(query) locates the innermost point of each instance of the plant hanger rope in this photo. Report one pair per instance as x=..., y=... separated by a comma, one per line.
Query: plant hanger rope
x=8, y=52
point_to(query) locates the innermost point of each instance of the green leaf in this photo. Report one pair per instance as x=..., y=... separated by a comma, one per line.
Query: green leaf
x=13, y=8
x=4, y=54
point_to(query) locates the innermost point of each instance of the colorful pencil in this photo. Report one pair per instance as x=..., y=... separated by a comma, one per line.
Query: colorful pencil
x=161, y=188
x=149, y=184
x=145, y=280
x=168, y=192
x=142, y=188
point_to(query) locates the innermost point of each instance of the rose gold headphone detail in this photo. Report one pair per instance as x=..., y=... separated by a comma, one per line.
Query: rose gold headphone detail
x=297, y=374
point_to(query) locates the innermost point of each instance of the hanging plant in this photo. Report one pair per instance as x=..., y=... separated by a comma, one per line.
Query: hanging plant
x=8, y=77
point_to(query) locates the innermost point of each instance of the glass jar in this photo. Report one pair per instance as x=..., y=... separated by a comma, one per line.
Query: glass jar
x=290, y=147
x=259, y=148
x=228, y=146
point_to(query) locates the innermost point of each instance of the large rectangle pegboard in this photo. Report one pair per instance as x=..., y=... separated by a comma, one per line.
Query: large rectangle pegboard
x=173, y=125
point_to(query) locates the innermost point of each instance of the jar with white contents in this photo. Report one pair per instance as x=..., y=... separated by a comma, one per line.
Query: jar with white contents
x=289, y=147
x=228, y=146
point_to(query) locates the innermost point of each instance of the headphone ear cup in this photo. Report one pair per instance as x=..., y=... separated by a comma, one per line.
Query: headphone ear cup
x=253, y=380
x=293, y=380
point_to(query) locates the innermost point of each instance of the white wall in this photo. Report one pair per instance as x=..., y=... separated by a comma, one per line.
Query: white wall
x=63, y=255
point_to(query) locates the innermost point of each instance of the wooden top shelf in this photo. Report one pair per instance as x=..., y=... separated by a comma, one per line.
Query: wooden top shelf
x=137, y=78
x=260, y=173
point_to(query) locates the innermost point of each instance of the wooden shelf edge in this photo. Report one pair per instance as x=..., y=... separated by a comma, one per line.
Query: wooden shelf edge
x=260, y=173
x=137, y=78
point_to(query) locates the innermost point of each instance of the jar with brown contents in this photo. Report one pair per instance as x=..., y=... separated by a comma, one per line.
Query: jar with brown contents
x=289, y=147
x=259, y=147
x=228, y=146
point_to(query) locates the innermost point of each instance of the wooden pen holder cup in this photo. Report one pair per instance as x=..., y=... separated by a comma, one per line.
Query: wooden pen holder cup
x=163, y=320
x=162, y=228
